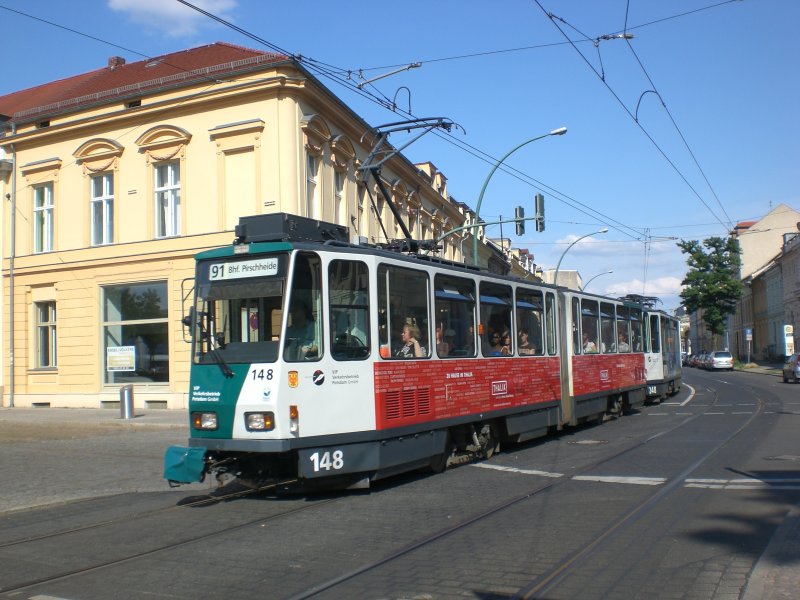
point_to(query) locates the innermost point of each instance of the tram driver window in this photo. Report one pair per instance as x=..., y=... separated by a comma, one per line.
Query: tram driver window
x=403, y=322
x=348, y=290
x=303, y=337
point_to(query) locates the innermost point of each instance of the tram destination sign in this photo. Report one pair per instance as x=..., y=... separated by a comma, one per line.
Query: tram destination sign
x=258, y=267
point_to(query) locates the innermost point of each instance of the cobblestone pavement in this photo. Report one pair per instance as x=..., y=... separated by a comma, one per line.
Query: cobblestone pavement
x=55, y=455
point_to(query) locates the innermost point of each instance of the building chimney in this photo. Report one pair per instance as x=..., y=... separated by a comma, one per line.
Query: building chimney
x=115, y=61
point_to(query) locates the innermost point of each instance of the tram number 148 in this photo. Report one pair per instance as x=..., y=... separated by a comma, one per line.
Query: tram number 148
x=327, y=461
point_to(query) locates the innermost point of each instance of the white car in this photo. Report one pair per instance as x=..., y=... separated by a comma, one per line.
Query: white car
x=721, y=359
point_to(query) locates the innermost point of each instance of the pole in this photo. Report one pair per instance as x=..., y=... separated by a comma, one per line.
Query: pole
x=559, y=131
x=595, y=277
x=563, y=254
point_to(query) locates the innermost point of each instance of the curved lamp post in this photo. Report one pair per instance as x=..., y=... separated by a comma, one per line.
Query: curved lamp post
x=591, y=279
x=559, y=131
x=558, y=266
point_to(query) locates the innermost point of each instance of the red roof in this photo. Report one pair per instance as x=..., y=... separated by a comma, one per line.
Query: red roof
x=117, y=79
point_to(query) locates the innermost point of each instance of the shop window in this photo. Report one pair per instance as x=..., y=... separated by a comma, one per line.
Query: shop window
x=136, y=333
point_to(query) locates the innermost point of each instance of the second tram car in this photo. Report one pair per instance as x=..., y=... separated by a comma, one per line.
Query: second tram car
x=318, y=361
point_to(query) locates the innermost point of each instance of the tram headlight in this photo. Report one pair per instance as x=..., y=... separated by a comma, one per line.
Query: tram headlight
x=259, y=421
x=204, y=420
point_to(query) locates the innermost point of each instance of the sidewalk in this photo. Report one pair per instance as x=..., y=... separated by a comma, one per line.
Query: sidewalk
x=775, y=369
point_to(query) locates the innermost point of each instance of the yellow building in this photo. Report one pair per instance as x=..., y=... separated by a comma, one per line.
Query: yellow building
x=116, y=178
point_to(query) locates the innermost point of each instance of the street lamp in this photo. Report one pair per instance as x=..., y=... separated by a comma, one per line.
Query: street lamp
x=559, y=131
x=555, y=278
x=591, y=279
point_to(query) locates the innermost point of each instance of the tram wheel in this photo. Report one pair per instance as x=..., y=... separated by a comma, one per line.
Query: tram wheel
x=438, y=462
x=489, y=442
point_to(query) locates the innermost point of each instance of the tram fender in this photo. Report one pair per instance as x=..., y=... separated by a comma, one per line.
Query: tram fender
x=185, y=465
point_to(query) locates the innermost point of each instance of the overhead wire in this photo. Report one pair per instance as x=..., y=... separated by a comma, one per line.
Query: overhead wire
x=671, y=118
x=382, y=100
x=553, y=18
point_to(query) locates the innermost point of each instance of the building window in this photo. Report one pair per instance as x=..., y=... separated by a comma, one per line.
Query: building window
x=43, y=218
x=136, y=333
x=338, y=197
x=168, y=199
x=312, y=167
x=45, y=334
x=102, y=209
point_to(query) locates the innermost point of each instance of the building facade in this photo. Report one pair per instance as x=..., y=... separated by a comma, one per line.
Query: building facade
x=118, y=177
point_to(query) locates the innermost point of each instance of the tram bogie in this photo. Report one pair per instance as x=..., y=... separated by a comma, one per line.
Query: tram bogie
x=333, y=364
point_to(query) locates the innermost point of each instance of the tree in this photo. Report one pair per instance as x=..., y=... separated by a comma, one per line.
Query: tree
x=712, y=282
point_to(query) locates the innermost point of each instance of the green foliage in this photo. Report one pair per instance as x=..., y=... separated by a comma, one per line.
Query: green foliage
x=712, y=282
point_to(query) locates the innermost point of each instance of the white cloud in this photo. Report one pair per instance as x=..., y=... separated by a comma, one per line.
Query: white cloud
x=660, y=286
x=171, y=17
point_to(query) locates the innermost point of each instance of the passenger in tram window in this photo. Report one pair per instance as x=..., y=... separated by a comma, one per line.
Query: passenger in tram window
x=442, y=347
x=507, y=342
x=300, y=334
x=589, y=347
x=496, y=347
x=525, y=346
x=411, y=346
x=622, y=344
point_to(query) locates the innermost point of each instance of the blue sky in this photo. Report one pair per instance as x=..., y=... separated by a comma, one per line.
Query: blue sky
x=726, y=71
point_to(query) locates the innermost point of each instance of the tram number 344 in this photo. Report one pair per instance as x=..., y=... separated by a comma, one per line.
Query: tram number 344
x=327, y=461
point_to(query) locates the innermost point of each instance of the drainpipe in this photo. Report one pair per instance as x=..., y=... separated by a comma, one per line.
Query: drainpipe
x=11, y=268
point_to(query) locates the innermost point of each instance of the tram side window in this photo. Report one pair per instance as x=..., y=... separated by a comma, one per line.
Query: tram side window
x=403, y=310
x=455, y=316
x=623, y=329
x=607, y=336
x=589, y=326
x=655, y=337
x=303, y=338
x=550, y=319
x=348, y=293
x=496, y=304
x=530, y=320
x=636, y=330
x=576, y=333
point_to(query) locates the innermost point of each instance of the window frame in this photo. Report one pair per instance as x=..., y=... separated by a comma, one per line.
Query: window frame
x=43, y=217
x=105, y=204
x=45, y=331
x=168, y=222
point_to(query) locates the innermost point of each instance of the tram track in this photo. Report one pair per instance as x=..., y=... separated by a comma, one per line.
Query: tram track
x=13, y=589
x=557, y=572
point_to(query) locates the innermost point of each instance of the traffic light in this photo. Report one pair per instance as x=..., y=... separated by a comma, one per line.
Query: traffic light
x=539, y=203
x=519, y=215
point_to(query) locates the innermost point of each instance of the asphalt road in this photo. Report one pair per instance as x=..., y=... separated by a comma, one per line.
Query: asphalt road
x=679, y=500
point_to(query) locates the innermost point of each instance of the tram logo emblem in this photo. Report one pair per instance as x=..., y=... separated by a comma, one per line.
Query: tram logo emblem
x=604, y=375
x=293, y=379
x=318, y=378
x=499, y=387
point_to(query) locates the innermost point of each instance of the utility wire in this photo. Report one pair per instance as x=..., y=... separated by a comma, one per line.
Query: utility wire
x=553, y=19
x=671, y=118
x=336, y=75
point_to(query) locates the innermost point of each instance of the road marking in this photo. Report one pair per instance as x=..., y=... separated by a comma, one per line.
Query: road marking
x=679, y=413
x=713, y=413
x=516, y=470
x=744, y=484
x=689, y=399
x=753, y=404
x=658, y=414
x=743, y=412
x=618, y=479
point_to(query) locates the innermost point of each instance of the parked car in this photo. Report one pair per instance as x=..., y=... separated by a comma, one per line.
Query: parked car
x=791, y=368
x=720, y=360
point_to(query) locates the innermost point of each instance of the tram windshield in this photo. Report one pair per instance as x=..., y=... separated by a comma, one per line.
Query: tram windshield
x=238, y=310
